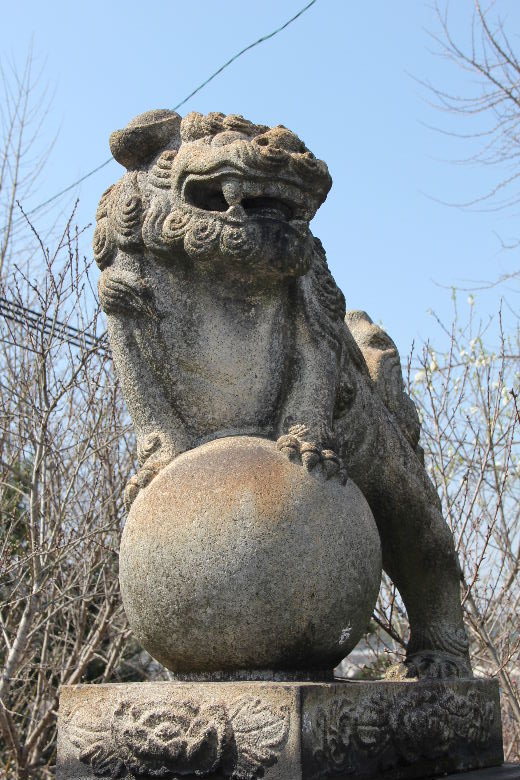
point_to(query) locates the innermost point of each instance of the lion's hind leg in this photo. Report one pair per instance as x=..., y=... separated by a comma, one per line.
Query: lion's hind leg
x=379, y=431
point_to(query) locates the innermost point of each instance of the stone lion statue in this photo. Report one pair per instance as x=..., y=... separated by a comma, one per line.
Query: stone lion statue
x=224, y=319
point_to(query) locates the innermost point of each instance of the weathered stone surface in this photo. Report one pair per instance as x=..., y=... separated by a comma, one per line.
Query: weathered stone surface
x=503, y=772
x=401, y=729
x=224, y=320
x=235, y=558
x=238, y=730
x=290, y=731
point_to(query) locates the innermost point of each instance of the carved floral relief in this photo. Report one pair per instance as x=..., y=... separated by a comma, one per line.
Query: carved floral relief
x=186, y=738
x=423, y=724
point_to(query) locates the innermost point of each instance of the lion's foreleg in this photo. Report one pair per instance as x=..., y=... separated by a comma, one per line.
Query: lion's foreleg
x=133, y=326
x=305, y=419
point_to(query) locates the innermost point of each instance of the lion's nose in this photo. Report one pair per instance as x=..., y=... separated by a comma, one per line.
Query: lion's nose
x=281, y=139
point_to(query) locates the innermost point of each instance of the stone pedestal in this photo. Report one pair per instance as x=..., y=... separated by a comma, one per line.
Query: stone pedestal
x=278, y=730
x=503, y=772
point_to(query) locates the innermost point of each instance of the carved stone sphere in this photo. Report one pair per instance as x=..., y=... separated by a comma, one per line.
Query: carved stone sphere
x=236, y=560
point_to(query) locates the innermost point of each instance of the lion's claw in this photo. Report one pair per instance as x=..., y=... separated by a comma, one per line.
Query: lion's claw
x=319, y=461
x=310, y=455
x=290, y=446
x=140, y=480
x=331, y=463
x=437, y=665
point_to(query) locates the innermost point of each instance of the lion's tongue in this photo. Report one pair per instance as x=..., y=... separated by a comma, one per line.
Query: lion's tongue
x=249, y=195
x=266, y=207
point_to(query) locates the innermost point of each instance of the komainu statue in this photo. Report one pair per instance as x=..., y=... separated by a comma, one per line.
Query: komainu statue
x=225, y=321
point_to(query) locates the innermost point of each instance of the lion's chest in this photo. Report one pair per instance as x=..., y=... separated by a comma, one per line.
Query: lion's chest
x=229, y=357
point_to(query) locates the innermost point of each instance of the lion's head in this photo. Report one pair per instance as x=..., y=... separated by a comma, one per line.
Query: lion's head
x=215, y=189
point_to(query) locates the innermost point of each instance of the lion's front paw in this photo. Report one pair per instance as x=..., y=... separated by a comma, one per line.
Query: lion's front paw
x=140, y=480
x=321, y=461
x=438, y=665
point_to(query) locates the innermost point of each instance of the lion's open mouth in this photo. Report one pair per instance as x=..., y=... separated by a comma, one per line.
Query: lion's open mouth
x=262, y=206
x=245, y=197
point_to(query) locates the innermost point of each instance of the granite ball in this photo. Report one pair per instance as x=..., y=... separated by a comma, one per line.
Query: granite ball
x=235, y=559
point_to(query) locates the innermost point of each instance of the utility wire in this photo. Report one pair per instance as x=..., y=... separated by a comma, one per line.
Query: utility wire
x=62, y=192
x=243, y=51
x=35, y=320
x=185, y=100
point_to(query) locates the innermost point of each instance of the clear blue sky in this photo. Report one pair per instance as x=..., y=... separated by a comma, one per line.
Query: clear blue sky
x=339, y=77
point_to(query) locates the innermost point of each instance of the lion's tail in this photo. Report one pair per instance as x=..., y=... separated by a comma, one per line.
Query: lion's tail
x=384, y=366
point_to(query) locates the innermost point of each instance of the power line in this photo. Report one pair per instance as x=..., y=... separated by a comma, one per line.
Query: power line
x=35, y=320
x=243, y=51
x=185, y=100
x=62, y=192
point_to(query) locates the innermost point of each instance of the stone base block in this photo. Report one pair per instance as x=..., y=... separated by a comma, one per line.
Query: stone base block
x=278, y=730
x=504, y=772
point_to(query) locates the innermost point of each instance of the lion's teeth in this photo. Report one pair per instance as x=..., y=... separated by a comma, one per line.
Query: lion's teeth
x=236, y=212
x=232, y=192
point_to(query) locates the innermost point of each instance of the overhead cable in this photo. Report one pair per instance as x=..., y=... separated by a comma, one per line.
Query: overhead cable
x=34, y=320
x=185, y=100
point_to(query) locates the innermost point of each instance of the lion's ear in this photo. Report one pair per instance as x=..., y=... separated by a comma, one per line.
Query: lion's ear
x=144, y=136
